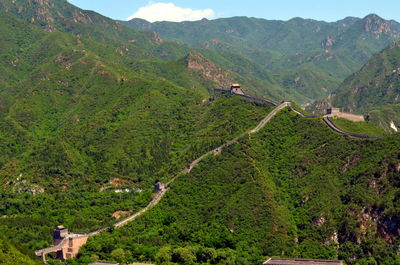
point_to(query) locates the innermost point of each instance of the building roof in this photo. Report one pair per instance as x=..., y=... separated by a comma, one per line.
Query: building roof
x=285, y=261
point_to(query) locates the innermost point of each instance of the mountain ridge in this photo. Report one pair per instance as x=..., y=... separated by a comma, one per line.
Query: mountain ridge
x=330, y=50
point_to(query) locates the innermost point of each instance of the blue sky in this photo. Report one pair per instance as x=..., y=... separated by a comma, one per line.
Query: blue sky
x=269, y=9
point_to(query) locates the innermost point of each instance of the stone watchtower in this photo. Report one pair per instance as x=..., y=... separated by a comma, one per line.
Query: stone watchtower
x=332, y=111
x=236, y=89
x=59, y=234
x=158, y=187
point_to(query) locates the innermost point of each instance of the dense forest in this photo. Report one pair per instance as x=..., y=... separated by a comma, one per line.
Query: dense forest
x=93, y=113
x=295, y=189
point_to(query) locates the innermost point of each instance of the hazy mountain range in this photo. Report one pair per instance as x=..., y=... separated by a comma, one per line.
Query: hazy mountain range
x=309, y=56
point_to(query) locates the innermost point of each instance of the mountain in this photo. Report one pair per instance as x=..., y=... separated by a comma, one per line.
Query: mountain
x=294, y=189
x=374, y=89
x=62, y=16
x=79, y=120
x=327, y=51
x=357, y=38
x=90, y=120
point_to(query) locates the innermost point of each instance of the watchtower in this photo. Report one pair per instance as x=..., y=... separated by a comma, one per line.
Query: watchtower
x=59, y=234
x=332, y=111
x=236, y=89
x=335, y=112
x=158, y=187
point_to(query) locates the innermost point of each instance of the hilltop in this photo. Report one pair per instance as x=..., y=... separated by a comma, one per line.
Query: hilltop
x=319, y=55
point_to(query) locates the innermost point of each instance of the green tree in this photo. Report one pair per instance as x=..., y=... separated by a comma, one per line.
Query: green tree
x=183, y=256
x=118, y=255
x=164, y=254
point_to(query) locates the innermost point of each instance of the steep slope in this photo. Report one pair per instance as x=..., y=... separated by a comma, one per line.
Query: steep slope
x=375, y=88
x=329, y=52
x=84, y=134
x=61, y=15
x=294, y=189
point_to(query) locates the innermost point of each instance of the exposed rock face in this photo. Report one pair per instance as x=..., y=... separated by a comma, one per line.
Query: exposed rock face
x=373, y=220
x=156, y=38
x=208, y=70
x=377, y=26
x=319, y=221
x=328, y=42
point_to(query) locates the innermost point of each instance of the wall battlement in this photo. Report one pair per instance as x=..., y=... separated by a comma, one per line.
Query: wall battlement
x=335, y=112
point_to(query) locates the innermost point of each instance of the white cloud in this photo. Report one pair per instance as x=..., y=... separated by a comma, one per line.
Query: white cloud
x=170, y=12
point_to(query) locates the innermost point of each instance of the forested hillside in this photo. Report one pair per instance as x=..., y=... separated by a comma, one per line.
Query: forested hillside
x=375, y=89
x=80, y=121
x=146, y=46
x=294, y=189
x=319, y=55
x=62, y=16
x=93, y=113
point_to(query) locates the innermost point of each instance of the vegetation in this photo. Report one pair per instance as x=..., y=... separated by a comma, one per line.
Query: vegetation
x=9, y=255
x=77, y=124
x=373, y=90
x=309, y=58
x=386, y=117
x=91, y=117
x=374, y=85
x=365, y=128
x=294, y=189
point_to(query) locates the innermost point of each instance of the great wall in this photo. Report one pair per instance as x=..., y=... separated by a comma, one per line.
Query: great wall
x=66, y=245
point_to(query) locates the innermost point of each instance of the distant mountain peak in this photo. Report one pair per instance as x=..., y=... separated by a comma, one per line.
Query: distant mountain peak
x=373, y=16
x=376, y=25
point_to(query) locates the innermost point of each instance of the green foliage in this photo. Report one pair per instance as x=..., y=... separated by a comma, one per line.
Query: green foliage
x=365, y=128
x=9, y=255
x=76, y=116
x=373, y=89
x=294, y=189
x=310, y=57
x=83, y=115
x=386, y=116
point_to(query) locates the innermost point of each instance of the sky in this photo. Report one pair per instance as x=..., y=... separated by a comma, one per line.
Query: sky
x=181, y=10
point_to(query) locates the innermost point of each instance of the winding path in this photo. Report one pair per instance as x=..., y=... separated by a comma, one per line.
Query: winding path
x=43, y=252
x=325, y=118
x=336, y=129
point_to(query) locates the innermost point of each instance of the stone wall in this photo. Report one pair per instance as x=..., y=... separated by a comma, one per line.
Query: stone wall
x=348, y=116
x=71, y=249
